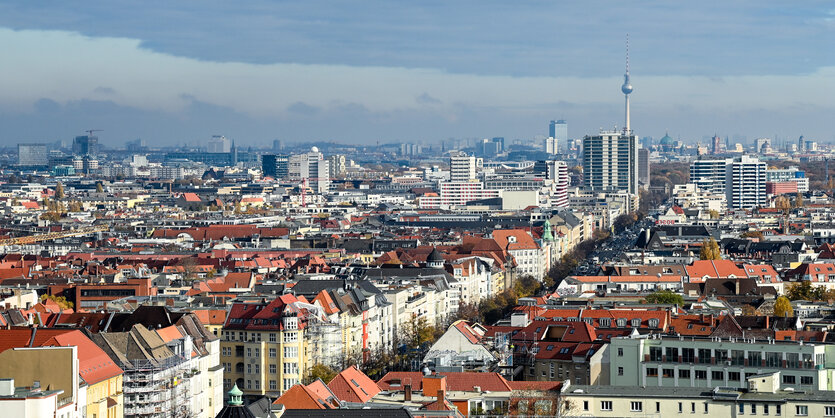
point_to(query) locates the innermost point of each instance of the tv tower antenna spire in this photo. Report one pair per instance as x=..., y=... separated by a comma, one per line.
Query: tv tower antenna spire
x=626, y=88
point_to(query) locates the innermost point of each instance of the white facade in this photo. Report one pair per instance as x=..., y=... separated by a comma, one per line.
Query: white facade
x=457, y=194
x=463, y=168
x=312, y=168
x=218, y=144
x=610, y=162
x=709, y=175
x=745, y=183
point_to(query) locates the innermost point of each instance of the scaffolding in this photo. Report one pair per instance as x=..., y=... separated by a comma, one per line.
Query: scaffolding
x=157, y=389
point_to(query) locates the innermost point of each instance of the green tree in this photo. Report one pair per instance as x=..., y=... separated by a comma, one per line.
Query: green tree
x=782, y=307
x=710, y=250
x=665, y=297
x=319, y=371
x=60, y=300
x=59, y=191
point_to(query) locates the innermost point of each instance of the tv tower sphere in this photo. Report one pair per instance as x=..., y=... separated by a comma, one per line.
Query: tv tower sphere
x=626, y=88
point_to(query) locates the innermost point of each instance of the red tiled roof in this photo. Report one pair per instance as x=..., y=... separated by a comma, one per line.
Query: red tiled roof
x=352, y=385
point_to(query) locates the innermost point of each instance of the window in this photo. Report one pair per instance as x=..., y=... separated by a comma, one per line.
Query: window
x=620, y=352
x=680, y=407
x=249, y=352
x=669, y=373
x=273, y=385
x=272, y=352
x=272, y=337
x=636, y=406
x=778, y=409
x=788, y=379
x=257, y=384
x=701, y=374
x=585, y=405
x=704, y=356
x=717, y=375
x=733, y=376
x=801, y=410
x=257, y=368
x=620, y=371
x=773, y=360
x=291, y=337
x=683, y=374
x=765, y=409
x=741, y=408
x=605, y=405
x=291, y=368
x=688, y=355
x=291, y=352
x=671, y=353
x=288, y=383
x=753, y=408
x=249, y=368
x=806, y=380
x=658, y=407
x=272, y=368
x=692, y=407
x=652, y=371
x=706, y=404
x=655, y=354
x=829, y=411
x=258, y=352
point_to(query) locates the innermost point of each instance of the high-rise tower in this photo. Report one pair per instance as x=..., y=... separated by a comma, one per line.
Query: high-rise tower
x=626, y=88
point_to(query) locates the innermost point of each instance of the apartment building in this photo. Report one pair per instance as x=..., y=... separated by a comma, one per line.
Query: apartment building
x=745, y=183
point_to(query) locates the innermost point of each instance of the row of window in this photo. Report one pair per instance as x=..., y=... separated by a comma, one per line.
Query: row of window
x=735, y=357
x=288, y=336
x=718, y=375
x=289, y=368
x=289, y=352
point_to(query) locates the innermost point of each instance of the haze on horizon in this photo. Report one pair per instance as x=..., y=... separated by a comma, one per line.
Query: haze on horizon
x=359, y=72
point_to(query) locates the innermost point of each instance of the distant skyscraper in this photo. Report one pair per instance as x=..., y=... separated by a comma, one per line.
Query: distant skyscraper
x=32, y=154
x=643, y=167
x=219, y=144
x=558, y=130
x=275, y=166
x=464, y=168
x=745, y=183
x=550, y=145
x=85, y=145
x=311, y=167
x=277, y=145
x=717, y=145
x=610, y=162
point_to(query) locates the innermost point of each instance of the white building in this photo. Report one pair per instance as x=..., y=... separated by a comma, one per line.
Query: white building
x=745, y=183
x=457, y=194
x=610, y=162
x=219, y=144
x=312, y=168
x=463, y=168
x=709, y=175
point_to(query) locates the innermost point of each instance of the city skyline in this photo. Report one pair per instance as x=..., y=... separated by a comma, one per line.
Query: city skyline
x=397, y=80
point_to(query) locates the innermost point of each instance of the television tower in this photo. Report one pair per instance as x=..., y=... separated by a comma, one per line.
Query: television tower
x=626, y=88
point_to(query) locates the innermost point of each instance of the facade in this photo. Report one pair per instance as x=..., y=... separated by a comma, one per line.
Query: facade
x=264, y=346
x=85, y=145
x=707, y=362
x=457, y=194
x=32, y=155
x=218, y=144
x=780, y=187
x=610, y=162
x=311, y=168
x=558, y=129
x=561, y=183
x=643, y=167
x=745, y=183
x=550, y=145
x=464, y=168
x=275, y=166
x=709, y=174
x=792, y=174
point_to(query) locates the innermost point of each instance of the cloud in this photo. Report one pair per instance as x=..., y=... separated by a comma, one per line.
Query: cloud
x=425, y=98
x=303, y=108
x=169, y=93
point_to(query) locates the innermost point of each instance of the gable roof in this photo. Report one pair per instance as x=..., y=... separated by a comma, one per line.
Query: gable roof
x=352, y=385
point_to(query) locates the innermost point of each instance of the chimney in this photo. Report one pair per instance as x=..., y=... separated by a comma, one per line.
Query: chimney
x=441, y=396
x=408, y=395
x=766, y=322
x=736, y=281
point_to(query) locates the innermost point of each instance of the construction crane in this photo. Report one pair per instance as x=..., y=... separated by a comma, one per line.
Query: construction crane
x=90, y=131
x=30, y=239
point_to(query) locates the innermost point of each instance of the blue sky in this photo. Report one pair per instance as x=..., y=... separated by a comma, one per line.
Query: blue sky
x=354, y=72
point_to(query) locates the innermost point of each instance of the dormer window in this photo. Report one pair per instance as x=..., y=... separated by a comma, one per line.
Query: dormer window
x=621, y=322
x=636, y=322
x=653, y=323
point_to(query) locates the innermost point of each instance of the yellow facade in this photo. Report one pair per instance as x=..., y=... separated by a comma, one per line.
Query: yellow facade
x=263, y=362
x=97, y=395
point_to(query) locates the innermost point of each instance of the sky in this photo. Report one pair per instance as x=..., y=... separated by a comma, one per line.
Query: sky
x=371, y=71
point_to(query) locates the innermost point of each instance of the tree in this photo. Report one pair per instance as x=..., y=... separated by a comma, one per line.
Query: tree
x=319, y=371
x=665, y=297
x=469, y=312
x=419, y=333
x=782, y=307
x=804, y=290
x=710, y=250
x=798, y=200
x=60, y=300
x=713, y=214
x=752, y=234
x=59, y=191
x=748, y=310
x=99, y=187
x=189, y=266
